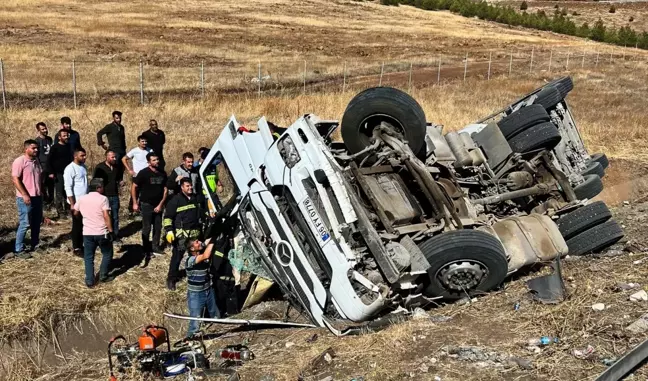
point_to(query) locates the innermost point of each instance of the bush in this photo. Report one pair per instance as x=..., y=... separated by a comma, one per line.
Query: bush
x=631, y=19
x=613, y=9
x=524, y=6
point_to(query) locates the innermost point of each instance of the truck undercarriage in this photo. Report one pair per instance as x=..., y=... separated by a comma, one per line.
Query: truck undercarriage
x=399, y=214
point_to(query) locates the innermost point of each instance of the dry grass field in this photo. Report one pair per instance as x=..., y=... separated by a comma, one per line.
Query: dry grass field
x=53, y=328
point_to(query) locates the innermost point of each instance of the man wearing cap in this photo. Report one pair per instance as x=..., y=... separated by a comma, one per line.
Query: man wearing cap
x=116, y=135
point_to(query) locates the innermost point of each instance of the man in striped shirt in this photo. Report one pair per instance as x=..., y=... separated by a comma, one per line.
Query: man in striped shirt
x=200, y=294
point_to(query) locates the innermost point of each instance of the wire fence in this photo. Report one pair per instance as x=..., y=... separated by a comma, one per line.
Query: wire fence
x=74, y=83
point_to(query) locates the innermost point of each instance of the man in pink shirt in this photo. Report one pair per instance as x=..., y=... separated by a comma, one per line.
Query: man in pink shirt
x=26, y=176
x=97, y=231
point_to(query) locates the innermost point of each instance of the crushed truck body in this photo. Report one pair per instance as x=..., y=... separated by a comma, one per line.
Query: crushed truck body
x=399, y=214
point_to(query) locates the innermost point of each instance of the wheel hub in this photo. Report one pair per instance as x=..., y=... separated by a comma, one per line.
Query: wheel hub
x=462, y=275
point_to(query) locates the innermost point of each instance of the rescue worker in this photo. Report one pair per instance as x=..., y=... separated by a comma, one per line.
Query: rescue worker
x=214, y=185
x=222, y=231
x=182, y=224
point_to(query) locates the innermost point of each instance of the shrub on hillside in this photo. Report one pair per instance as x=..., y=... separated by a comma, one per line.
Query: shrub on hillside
x=613, y=9
x=524, y=6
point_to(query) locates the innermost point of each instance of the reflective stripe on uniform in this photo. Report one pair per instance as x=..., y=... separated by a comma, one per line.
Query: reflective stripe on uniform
x=218, y=254
x=188, y=233
x=167, y=222
x=225, y=277
x=186, y=207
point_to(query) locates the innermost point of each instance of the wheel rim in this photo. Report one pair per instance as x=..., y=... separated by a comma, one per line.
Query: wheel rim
x=462, y=275
x=370, y=123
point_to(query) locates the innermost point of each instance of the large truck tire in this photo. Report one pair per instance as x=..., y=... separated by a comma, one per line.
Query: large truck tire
x=594, y=168
x=463, y=263
x=583, y=218
x=600, y=158
x=548, y=97
x=522, y=119
x=369, y=108
x=543, y=135
x=596, y=238
x=590, y=188
x=564, y=86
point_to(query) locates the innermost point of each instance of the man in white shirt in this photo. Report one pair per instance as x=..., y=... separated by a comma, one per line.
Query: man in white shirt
x=138, y=157
x=75, y=178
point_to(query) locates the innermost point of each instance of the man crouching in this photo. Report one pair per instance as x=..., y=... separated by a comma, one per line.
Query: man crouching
x=199, y=286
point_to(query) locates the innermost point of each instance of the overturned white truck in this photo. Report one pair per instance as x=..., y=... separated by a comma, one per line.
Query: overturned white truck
x=399, y=214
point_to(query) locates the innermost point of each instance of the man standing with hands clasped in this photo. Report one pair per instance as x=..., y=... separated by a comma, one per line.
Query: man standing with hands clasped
x=26, y=176
x=116, y=135
x=149, y=194
x=75, y=177
x=107, y=171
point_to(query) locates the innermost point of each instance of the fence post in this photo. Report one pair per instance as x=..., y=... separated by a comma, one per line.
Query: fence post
x=610, y=58
x=202, y=79
x=490, y=60
x=409, y=82
x=74, y=90
x=597, y=58
x=141, y=70
x=567, y=64
x=583, y=60
x=382, y=70
x=531, y=64
x=624, y=49
x=550, y=58
x=344, y=76
x=511, y=63
x=4, y=92
x=259, y=81
x=304, y=76
x=465, y=67
x=439, y=73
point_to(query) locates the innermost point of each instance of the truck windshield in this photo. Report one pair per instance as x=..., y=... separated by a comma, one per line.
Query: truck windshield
x=220, y=186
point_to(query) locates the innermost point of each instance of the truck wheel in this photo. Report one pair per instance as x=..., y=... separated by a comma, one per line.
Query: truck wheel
x=601, y=158
x=583, y=218
x=548, y=97
x=564, y=86
x=522, y=119
x=591, y=187
x=463, y=262
x=371, y=107
x=595, y=239
x=543, y=135
x=594, y=168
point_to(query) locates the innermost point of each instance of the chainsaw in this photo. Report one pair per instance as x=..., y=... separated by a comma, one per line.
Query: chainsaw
x=148, y=357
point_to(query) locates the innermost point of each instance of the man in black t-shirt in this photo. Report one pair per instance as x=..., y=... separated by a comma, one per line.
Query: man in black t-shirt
x=59, y=158
x=44, y=145
x=112, y=180
x=156, y=139
x=149, y=194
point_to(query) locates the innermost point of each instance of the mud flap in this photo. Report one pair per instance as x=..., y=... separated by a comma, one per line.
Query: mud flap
x=548, y=289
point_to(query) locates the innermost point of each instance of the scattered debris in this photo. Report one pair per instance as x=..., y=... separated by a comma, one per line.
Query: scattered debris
x=548, y=289
x=608, y=362
x=437, y=378
x=522, y=363
x=424, y=368
x=317, y=364
x=626, y=203
x=640, y=325
x=289, y=344
x=627, y=286
x=598, y=307
x=516, y=306
x=543, y=341
x=312, y=339
x=484, y=357
x=583, y=353
x=420, y=314
x=639, y=296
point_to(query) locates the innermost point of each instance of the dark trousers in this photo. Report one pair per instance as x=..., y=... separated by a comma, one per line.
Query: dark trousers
x=91, y=242
x=77, y=232
x=59, y=195
x=179, y=248
x=226, y=290
x=47, y=188
x=113, y=202
x=154, y=220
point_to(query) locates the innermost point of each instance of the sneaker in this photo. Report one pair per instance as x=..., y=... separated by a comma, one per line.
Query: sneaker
x=23, y=255
x=171, y=284
x=89, y=285
x=157, y=252
x=78, y=252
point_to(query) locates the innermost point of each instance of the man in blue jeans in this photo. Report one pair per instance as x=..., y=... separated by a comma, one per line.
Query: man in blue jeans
x=26, y=173
x=200, y=294
x=97, y=231
x=112, y=181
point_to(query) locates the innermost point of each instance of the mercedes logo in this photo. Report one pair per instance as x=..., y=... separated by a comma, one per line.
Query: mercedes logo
x=284, y=253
